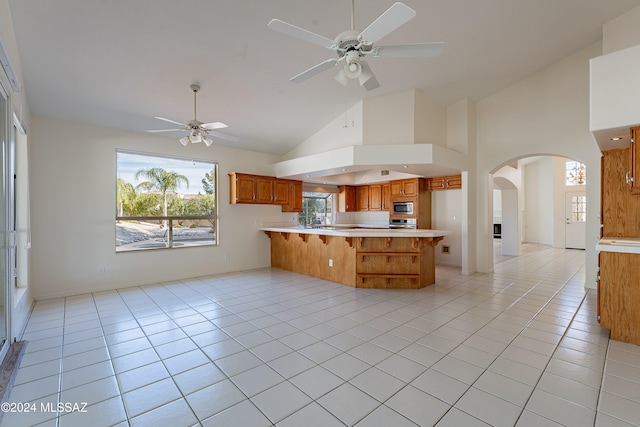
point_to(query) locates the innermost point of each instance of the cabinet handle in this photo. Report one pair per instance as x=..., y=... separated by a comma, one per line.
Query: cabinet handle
x=628, y=178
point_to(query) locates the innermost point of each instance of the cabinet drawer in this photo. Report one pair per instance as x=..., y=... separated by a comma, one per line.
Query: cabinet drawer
x=388, y=263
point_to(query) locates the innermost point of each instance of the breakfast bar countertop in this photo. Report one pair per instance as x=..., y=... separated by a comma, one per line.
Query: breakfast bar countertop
x=349, y=230
x=629, y=245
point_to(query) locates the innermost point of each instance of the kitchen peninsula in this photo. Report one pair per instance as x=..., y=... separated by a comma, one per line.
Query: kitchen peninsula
x=356, y=256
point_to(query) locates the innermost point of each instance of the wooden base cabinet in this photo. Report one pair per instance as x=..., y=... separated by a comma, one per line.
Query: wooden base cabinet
x=619, y=295
x=361, y=262
x=398, y=263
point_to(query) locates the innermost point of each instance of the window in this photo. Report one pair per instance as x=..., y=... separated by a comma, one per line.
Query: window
x=579, y=208
x=164, y=202
x=576, y=173
x=317, y=209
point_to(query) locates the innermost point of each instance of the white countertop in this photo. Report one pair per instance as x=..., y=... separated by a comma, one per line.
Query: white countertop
x=346, y=230
x=630, y=245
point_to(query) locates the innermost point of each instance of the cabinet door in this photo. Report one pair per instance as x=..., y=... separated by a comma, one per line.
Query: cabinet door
x=634, y=170
x=295, y=197
x=362, y=198
x=244, y=188
x=347, y=202
x=395, y=188
x=280, y=191
x=620, y=295
x=410, y=187
x=263, y=189
x=375, y=197
x=436, y=183
x=386, y=197
x=453, y=182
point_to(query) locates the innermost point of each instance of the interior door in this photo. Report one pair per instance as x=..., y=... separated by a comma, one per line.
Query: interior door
x=575, y=222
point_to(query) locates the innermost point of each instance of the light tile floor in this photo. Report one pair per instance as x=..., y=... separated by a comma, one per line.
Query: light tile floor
x=520, y=347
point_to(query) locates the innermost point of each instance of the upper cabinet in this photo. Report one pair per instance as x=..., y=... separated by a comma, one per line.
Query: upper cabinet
x=404, y=187
x=347, y=198
x=445, y=183
x=375, y=197
x=294, y=203
x=386, y=196
x=266, y=190
x=620, y=209
x=364, y=198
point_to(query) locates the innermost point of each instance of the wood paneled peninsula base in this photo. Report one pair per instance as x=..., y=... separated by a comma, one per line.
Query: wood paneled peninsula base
x=362, y=258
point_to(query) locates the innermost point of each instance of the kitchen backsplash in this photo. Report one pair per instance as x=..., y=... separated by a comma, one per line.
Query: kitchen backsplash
x=369, y=218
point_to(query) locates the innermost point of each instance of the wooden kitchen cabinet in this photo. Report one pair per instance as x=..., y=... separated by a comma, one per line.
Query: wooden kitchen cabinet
x=294, y=201
x=445, y=183
x=404, y=187
x=619, y=275
x=258, y=189
x=619, y=295
x=347, y=198
x=242, y=188
x=620, y=210
x=386, y=197
x=263, y=190
x=375, y=197
x=280, y=191
x=362, y=198
x=633, y=175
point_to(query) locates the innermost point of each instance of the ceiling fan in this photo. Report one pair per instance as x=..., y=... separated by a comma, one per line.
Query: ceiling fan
x=353, y=45
x=198, y=131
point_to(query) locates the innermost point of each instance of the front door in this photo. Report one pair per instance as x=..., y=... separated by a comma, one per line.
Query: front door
x=575, y=220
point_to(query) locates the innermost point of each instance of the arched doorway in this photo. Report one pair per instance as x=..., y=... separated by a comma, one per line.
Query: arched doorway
x=539, y=200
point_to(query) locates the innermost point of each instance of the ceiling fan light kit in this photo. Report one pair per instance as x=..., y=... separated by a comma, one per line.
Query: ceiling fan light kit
x=352, y=46
x=198, y=131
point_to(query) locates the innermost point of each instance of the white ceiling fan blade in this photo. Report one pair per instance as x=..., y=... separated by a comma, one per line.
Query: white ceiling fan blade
x=222, y=135
x=367, y=78
x=317, y=69
x=394, y=17
x=418, y=50
x=165, y=130
x=301, y=33
x=170, y=121
x=214, y=125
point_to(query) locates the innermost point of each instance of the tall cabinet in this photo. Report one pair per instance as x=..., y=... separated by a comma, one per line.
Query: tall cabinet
x=619, y=248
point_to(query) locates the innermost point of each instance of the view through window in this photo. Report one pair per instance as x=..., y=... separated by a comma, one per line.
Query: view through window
x=576, y=173
x=164, y=202
x=317, y=209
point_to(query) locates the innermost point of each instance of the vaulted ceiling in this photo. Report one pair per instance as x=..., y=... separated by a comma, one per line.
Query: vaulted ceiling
x=120, y=63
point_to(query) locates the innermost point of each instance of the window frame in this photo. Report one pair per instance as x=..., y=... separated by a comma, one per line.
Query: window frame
x=168, y=238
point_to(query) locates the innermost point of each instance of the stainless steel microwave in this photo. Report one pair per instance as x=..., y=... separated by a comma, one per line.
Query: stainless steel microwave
x=403, y=208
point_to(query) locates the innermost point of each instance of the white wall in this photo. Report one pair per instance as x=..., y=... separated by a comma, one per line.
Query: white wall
x=510, y=229
x=538, y=206
x=73, y=212
x=343, y=131
x=446, y=214
x=621, y=32
x=546, y=113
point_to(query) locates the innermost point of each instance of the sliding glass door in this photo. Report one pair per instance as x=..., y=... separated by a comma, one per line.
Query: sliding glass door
x=5, y=265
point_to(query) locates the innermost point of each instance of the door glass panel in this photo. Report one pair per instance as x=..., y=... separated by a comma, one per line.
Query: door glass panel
x=579, y=208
